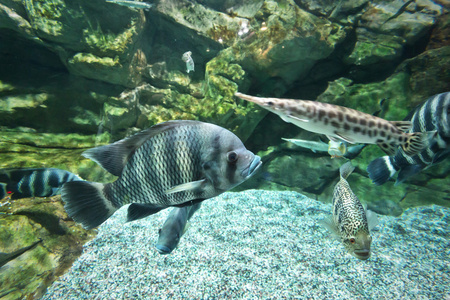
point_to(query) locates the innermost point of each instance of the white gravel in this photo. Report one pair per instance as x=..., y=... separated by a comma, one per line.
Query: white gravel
x=262, y=245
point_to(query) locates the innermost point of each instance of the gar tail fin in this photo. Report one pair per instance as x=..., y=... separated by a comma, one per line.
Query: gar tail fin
x=86, y=203
x=381, y=169
x=415, y=143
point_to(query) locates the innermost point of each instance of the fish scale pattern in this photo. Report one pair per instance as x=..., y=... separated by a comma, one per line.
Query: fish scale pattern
x=171, y=158
x=349, y=212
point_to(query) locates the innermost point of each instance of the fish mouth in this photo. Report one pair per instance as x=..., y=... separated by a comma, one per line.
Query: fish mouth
x=254, y=166
x=163, y=249
x=362, y=253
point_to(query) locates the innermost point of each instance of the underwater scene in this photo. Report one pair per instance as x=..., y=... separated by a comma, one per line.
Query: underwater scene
x=195, y=149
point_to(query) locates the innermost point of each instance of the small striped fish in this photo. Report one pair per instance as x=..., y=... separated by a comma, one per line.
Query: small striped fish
x=175, y=163
x=432, y=115
x=342, y=123
x=41, y=182
x=350, y=222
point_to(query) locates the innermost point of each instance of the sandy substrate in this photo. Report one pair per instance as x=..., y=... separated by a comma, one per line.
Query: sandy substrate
x=263, y=245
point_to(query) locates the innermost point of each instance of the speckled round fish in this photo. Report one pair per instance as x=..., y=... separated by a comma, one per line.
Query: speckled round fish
x=350, y=222
x=175, y=163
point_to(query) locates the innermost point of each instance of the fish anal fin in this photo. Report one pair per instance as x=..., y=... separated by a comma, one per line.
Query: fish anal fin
x=189, y=186
x=388, y=148
x=189, y=203
x=402, y=125
x=138, y=211
x=407, y=172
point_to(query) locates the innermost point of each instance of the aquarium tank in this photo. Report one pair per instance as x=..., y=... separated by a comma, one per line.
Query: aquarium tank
x=206, y=149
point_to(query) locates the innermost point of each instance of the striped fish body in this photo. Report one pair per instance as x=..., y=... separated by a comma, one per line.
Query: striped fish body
x=350, y=221
x=342, y=123
x=174, y=163
x=174, y=227
x=39, y=182
x=433, y=115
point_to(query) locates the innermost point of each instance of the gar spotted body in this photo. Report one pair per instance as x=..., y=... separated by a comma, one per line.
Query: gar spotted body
x=338, y=122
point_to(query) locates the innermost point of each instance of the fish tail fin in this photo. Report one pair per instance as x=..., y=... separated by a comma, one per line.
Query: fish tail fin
x=87, y=203
x=415, y=142
x=381, y=169
x=346, y=169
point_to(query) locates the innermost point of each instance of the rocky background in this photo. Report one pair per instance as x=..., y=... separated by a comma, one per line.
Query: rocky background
x=78, y=74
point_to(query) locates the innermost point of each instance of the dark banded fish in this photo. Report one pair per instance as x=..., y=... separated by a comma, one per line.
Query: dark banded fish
x=174, y=227
x=432, y=115
x=342, y=123
x=175, y=163
x=350, y=222
x=41, y=182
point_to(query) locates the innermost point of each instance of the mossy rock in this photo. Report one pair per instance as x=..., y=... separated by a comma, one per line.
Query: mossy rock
x=42, y=243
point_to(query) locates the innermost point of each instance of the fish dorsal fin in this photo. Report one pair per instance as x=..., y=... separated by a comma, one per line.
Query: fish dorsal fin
x=372, y=219
x=345, y=138
x=114, y=157
x=188, y=186
x=402, y=125
x=346, y=169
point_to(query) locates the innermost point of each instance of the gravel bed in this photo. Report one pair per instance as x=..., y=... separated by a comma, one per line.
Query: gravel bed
x=262, y=245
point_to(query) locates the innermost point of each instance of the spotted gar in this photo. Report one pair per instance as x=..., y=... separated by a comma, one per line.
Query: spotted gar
x=342, y=123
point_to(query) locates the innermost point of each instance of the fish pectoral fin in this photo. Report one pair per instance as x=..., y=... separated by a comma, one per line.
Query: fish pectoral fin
x=189, y=186
x=138, y=211
x=186, y=227
x=328, y=223
x=372, y=219
x=345, y=138
x=402, y=125
x=288, y=118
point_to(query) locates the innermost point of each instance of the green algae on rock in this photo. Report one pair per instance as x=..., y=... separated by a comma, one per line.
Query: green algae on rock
x=50, y=243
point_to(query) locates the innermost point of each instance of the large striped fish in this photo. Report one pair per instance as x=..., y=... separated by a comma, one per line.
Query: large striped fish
x=432, y=115
x=342, y=123
x=175, y=163
x=40, y=182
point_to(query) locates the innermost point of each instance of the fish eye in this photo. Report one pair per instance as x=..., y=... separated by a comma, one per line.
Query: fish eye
x=270, y=103
x=232, y=157
x=352, y=240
